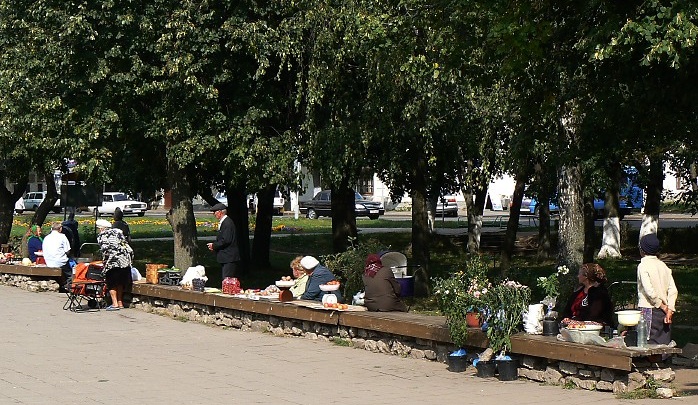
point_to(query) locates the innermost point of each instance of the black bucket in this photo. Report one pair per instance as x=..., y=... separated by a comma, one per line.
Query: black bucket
x=550, y=328
x=485, y=368
x=508, y=369
x=457, y=364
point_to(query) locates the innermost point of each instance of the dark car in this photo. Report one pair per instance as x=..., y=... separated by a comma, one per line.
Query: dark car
x=321, y=206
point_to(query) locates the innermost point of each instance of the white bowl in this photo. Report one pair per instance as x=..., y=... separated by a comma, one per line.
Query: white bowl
x=590, y=329
x=285, y=284
x=329, y=287
x=629, y=317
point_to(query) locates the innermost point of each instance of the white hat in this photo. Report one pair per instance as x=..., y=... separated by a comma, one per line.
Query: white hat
x=103, y=223
x=309, y=262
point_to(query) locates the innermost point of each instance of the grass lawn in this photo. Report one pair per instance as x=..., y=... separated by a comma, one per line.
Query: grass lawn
x=312, y=237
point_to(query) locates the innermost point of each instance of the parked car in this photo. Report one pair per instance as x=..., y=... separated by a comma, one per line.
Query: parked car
x=111, y=200
x=321, y=206
x=279, y=201
x=33, y=199
x=446, y=206
x=525, y=205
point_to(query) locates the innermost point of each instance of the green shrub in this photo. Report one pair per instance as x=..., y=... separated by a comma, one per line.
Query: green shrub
x=348, y=266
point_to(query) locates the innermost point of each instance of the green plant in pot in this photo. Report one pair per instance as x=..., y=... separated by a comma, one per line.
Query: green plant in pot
x=461, y=292
x=507, y=302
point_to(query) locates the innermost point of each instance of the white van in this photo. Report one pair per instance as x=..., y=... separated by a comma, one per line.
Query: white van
x=33, y=199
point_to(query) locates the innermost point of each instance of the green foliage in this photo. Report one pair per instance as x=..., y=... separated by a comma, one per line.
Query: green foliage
x=463, y=291
x=348, y=266
x=506, y=302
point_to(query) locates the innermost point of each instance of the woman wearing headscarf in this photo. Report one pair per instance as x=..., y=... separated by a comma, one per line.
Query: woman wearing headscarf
x=34, y=243
x=382, y=289
x=590, y=301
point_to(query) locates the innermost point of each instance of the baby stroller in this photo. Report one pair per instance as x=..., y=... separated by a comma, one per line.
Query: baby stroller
x=88, y=286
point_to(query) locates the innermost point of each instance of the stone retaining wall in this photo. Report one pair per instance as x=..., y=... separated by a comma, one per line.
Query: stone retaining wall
x=588, y=377
x=533, y=368
x=354, y=337
x=29, y=283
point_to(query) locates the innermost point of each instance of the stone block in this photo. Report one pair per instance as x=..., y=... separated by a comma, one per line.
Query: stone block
x=567, y=368
x=535, y=375
x=416, y=354
x=552, y=376
x=532, y=362
x=619, y=387
x=607, y=374
x=430, y=355
x=665, y=393
x=586, y=373
x=370, y=345
x=604, y=386
x=383, y=346
x=663, y=374
x=583, y=383
x=358, y=343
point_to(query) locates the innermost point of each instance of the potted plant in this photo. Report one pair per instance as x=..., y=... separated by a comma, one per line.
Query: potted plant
x=507, y=300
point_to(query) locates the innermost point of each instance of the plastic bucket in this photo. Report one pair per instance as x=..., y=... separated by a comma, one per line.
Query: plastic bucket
x=406, y=286
x=486, y=369
x=457, y=364
x=508, y=369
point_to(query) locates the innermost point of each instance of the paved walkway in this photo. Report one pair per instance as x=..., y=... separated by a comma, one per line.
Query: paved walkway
x=52, y=356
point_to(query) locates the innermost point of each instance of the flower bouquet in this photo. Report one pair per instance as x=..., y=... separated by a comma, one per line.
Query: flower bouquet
x=507, y=300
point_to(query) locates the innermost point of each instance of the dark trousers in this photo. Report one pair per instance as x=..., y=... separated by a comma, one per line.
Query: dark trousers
x=66, y=276
x=231, y=269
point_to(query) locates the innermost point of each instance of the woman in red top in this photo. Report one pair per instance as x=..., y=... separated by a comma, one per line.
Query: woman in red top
x=590, y=301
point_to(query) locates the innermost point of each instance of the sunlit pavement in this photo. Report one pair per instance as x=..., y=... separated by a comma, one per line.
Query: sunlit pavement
x=52, y=356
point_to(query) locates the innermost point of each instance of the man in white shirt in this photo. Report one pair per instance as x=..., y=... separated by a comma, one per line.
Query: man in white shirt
x=56, y=248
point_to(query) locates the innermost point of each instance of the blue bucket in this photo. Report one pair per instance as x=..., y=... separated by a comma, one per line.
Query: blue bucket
x=406, y=286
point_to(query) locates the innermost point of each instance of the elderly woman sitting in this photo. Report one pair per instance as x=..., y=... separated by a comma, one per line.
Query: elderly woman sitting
x=590, y=300
x=382, y=289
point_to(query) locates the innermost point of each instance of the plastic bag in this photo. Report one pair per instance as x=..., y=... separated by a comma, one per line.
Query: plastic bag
x=231, y=285
x=135, y=274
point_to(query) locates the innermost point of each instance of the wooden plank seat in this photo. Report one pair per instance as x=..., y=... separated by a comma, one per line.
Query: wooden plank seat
x=34, y=271
x=419, y=326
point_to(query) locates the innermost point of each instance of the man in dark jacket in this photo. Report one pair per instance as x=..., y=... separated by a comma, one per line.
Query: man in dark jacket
x=226, y=246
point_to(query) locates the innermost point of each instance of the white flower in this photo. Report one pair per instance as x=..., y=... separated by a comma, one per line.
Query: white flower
x=541, y=279
x=562, y=270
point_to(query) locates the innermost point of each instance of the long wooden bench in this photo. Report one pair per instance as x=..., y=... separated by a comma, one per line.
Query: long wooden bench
x=427, y=327
x=33, y=271
x=418, y=326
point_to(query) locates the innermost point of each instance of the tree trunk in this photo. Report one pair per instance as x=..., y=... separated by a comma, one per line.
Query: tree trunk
x=589, y=230
x=181, y=218
x=545, y=194
x=571, y=229
x=610, y=241
x=475, y=207
x=47, y=205
x=650, y=217
x=237, y=211
x=421, y=241
x=513, y=224
x=263, y=224
x=7, y=206
x=343, y=217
